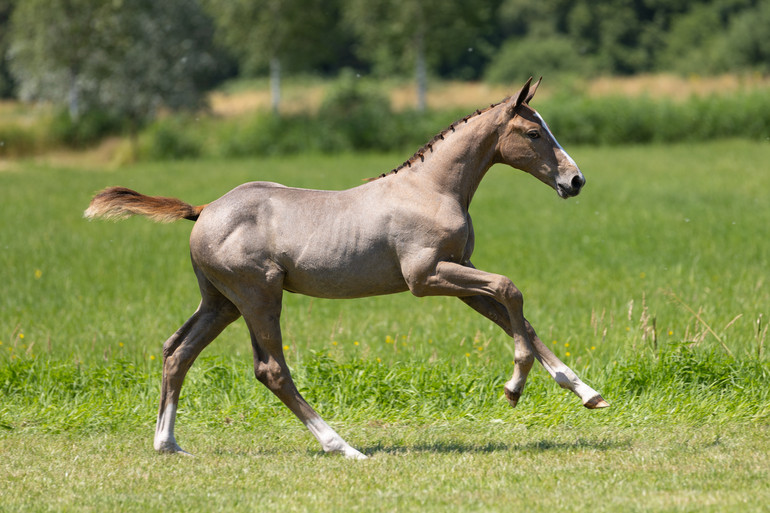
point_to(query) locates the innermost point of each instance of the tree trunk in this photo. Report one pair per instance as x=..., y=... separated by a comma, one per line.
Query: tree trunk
x=74, y=97
x=421, y=72
x=275, y=84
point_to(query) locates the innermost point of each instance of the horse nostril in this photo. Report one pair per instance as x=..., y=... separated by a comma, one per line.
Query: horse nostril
x=577, y=182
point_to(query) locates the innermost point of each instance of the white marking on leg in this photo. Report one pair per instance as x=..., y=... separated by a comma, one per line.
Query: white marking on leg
x=164, y=431
x=330, y=440
x=567, y=379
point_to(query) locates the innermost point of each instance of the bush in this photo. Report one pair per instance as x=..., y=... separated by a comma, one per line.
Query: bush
x=92, y=126
x=355, y=115
x=623, y=120
x=168, y=139
x=356, y=118
x=519, y=59
x=16, y=141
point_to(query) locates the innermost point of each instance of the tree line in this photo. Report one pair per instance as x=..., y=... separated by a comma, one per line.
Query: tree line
x=133, y=57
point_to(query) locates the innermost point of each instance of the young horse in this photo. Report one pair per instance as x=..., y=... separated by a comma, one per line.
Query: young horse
x=407, y=230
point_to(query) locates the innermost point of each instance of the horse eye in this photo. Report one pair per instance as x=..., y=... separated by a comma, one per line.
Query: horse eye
x=533, y=134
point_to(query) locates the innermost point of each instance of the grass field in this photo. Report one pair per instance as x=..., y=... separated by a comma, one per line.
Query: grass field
x=652, y=285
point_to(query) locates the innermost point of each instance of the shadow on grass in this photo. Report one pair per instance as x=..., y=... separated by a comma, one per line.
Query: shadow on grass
x=545, y=445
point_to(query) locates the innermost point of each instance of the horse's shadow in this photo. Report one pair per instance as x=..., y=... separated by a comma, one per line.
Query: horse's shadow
x=454, y=446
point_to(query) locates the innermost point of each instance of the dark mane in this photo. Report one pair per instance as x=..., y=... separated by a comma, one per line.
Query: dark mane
x=420, y=154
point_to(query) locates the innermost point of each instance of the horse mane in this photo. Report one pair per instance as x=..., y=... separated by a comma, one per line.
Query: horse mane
x=420, y=154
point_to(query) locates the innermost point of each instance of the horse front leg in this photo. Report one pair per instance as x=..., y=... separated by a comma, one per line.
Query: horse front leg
x=563, y=375
x=524, y=354
x=498, y=299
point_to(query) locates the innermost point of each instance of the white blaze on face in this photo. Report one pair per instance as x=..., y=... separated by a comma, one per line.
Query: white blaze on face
x=564, y=154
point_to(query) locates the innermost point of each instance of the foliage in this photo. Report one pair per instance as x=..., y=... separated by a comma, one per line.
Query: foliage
x=399, y=35
x=451, y=35
x=90, y=128
x=621, y=120
x=134, y=59
x=620, y=37
x=6, y=81
x=356, y=116
x=123, y=58
x=747, y=41
x=519, y=59
x=302, y=34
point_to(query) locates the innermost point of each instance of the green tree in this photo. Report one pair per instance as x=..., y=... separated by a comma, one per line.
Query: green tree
x=693, y=42
x=6, y=81
x=398, y=35
x=747, y=40
x=127, y=58
x=278, y=34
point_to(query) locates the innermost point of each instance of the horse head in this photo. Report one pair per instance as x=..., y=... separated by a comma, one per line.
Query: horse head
x=526, y=143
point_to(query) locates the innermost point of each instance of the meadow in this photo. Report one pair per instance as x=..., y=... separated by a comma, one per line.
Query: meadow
x=652, y=285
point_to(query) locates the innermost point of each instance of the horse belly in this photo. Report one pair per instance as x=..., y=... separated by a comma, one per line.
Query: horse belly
x=343, y=275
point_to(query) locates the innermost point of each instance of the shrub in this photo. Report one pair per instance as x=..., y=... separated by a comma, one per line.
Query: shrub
x=17, y=141
x=519, y=59
x=170, y=138
x=356, y=116
x=90, y=128
x=623, y=120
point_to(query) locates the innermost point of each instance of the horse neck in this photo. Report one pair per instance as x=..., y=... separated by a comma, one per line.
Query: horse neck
x=457, y=164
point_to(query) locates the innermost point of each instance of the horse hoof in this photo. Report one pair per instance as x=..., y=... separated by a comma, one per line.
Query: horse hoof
x=353, y=454
x=171, y=448
x=596, y=402
x=513, y=397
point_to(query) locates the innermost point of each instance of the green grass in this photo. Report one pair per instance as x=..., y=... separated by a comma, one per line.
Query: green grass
x=609, y=280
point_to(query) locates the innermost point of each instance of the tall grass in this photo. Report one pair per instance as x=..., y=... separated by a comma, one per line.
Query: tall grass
x=676, y=385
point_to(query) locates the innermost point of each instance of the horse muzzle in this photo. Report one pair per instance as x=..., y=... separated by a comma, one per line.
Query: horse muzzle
x=571, y=188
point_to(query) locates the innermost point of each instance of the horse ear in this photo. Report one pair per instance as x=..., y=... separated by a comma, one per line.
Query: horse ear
x=533, y=90
x=520, y=97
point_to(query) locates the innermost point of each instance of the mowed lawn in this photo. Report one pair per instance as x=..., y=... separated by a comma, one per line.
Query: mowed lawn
x=652, y=285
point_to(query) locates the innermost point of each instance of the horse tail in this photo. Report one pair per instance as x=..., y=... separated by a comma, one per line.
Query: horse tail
x=120, y=202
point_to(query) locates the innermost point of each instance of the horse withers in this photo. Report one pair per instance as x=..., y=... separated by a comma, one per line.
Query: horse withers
x=405, y=230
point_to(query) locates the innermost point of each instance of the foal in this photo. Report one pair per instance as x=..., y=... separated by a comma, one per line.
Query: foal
x=407, y=230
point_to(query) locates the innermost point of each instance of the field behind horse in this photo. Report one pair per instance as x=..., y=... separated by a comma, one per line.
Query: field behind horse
x=652, y=285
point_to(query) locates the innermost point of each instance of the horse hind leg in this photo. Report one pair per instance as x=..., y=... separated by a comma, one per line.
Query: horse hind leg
x=263, y=320
x=213, y=315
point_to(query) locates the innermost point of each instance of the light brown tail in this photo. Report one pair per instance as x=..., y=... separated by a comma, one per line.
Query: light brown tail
x=119, y=203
